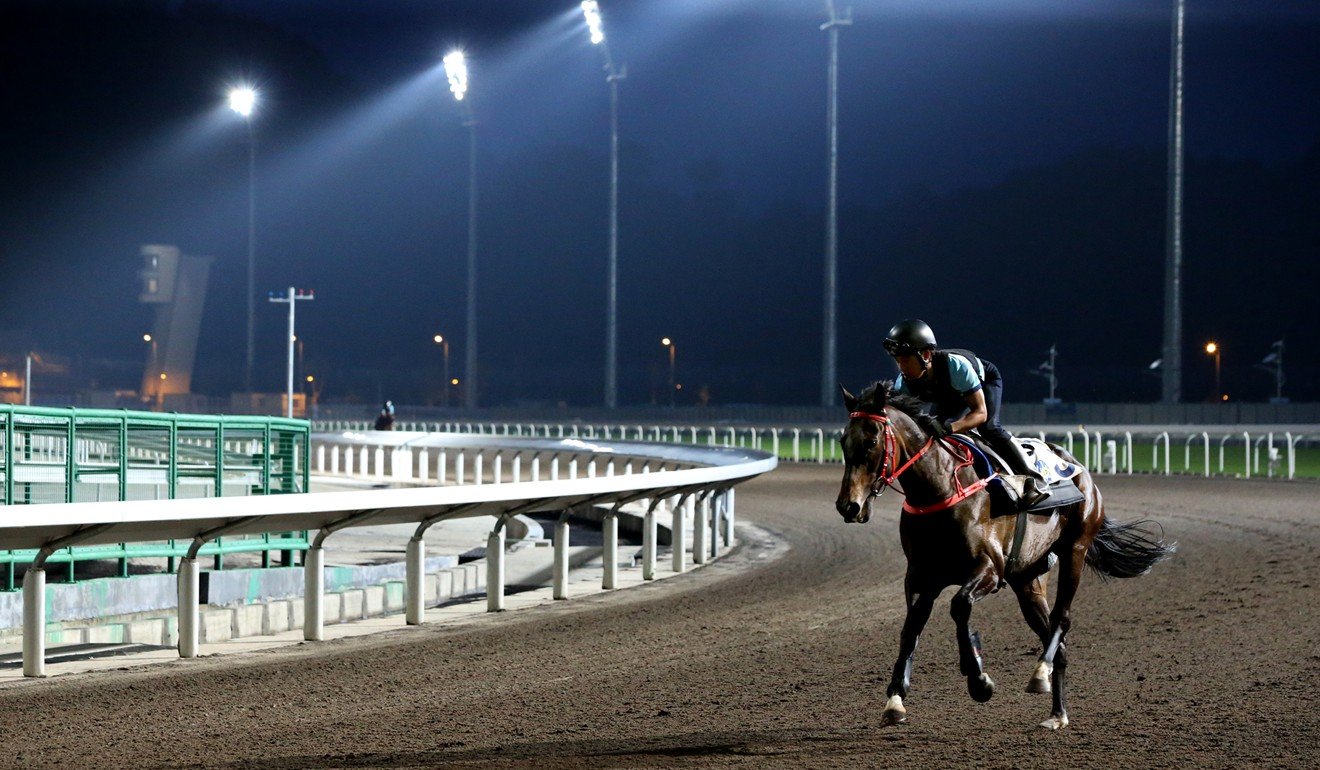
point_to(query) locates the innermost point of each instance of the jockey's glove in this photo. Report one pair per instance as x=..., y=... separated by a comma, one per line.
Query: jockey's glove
x=933, y=427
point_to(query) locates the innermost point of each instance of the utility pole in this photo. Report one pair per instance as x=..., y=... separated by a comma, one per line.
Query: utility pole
x=291, y=298
x=1172, y=368
x=829, y=360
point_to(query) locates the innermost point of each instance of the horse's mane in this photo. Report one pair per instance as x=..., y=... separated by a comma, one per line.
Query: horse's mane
x=881, y=394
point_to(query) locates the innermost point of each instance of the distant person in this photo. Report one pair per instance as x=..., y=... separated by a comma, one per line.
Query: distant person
x=964, y=392
x=385, y=420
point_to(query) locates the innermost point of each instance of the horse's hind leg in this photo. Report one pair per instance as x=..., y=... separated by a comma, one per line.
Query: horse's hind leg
x=1056, y=652
x=1031, y=596
x=919, y=604
x=984, y=582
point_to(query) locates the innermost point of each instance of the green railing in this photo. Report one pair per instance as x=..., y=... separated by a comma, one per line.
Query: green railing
x=92, y=455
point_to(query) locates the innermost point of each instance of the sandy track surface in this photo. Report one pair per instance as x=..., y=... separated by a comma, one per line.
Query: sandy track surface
x=776, y=656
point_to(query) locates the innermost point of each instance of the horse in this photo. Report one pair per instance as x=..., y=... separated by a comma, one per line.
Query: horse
x=950, y=539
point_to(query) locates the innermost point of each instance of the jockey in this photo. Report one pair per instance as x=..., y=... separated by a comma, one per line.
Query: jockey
x=964, y=392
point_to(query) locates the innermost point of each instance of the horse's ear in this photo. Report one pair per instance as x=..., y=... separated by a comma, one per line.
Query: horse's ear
x=849, y=400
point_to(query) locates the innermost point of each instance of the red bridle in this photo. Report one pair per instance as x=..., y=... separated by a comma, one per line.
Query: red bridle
x=886, y=479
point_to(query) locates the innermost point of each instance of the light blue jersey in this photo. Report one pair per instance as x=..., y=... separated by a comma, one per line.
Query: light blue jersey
x=964, y=376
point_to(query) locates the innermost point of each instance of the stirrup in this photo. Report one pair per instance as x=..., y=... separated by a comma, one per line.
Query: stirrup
x=1033, y=492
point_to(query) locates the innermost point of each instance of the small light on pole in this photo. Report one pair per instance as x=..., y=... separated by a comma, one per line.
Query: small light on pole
x=1213, y=349
x=668, y=343
x=440, y=340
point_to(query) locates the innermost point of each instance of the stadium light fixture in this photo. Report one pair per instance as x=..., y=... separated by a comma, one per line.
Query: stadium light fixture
x=456, y=71
x=591, y=10
x=243, y=100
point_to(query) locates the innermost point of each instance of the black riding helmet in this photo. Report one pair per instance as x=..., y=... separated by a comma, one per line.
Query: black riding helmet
x=909, y=337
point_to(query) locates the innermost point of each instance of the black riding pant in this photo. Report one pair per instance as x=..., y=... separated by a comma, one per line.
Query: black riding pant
x=994, y=434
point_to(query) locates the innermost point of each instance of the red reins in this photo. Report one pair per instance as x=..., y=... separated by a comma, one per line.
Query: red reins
x=886, y=479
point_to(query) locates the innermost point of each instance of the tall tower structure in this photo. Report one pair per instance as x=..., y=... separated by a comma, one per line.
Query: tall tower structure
x=176, y=284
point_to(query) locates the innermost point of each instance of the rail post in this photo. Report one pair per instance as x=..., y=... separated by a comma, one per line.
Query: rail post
x=313, y=595
x=648, y=540
x=189, y=613
x=495, y=568
x=700, y=527
x=560, y=578
x=34, y=622
x=728, y=518
x=678, y=532
x=609, y=530
x=415, y=590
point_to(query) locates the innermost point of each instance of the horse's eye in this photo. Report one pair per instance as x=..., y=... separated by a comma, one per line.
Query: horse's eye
x=870, y=444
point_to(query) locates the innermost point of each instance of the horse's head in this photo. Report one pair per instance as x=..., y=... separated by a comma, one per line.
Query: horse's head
x=864, y=446
x=871, y=439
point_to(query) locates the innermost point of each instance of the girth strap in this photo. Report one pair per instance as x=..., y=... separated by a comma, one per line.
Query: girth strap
x=1019, y=534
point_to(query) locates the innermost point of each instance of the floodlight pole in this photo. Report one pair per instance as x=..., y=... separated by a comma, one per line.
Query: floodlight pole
x=252, y=251
x=1172, y=379
x=292, y=298
x=457, y=73
x=829, y=361
x=612, y=312
x=613, y=74
x=470, y=353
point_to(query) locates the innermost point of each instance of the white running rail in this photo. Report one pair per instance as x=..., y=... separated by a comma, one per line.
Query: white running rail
x=692, y=482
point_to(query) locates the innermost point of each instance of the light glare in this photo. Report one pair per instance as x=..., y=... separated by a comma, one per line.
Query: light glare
x=456, y=71
x=243, y=100
x=591, y=10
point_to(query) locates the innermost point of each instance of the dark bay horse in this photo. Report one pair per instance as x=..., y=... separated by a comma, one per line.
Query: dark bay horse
x=950, y=539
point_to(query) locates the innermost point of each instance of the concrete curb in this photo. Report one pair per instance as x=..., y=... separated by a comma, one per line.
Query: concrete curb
x=219, y=624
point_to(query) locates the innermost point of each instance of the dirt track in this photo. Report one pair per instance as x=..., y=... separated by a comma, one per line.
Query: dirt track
x=776, y=656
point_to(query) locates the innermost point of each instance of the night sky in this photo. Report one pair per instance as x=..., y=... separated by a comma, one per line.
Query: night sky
x=1002, y=175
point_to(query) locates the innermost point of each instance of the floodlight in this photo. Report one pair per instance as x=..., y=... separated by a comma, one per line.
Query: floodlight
x=242, y=100
x=456, y=71
x=591, y=10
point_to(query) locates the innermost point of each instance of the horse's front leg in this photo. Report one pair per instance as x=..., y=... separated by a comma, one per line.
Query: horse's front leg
x=984, y=581
x=919, y=604
x=1032, y=598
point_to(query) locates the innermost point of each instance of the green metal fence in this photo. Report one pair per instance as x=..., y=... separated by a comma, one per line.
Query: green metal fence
x=91, y=455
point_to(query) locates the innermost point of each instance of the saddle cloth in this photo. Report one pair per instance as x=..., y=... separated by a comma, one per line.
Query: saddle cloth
x=1057, y=472
x=1052, y=467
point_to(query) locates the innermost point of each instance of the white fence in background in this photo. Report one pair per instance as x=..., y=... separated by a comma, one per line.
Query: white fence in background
x=1248, y=451
x=692, y=483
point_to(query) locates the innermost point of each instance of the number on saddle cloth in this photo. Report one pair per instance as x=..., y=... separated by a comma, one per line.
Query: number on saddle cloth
x=1051, y=466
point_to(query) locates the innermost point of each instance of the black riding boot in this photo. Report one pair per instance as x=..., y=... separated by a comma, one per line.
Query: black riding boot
x=1034, y=488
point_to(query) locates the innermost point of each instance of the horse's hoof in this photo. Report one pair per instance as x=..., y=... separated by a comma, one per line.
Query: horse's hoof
x=894, y=714
x=1040, y=680
x=1055, y=723
x=981, y=688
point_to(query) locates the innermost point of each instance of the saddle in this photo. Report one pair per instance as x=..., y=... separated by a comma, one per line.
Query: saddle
x=1006, y=487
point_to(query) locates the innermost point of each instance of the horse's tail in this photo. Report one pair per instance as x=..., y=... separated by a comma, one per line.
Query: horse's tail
x=1127, y=550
